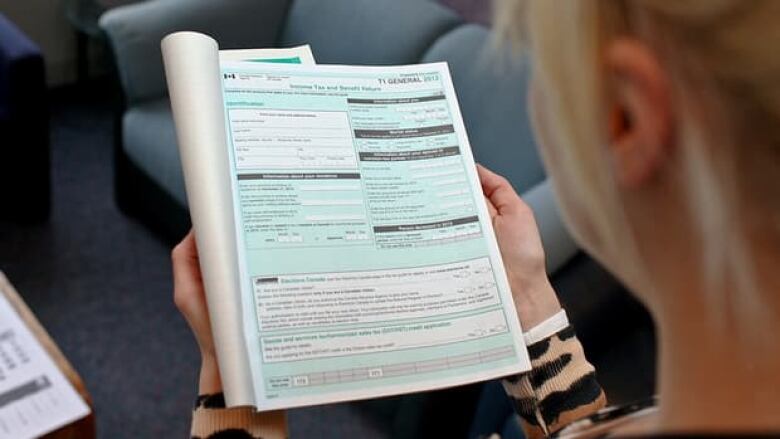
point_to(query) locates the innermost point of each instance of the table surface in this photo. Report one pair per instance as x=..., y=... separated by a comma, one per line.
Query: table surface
x=83, y=428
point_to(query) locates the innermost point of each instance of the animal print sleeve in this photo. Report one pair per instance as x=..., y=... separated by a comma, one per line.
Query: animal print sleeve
x=560, y=388
x=211, y=420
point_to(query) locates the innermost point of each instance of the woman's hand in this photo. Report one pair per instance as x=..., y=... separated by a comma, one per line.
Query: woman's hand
x=521, y=249
x=190, y=297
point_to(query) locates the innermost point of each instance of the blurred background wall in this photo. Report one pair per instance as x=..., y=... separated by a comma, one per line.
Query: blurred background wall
x=45, y=23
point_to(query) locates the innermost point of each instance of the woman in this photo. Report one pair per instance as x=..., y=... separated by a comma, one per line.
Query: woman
x=659, y=123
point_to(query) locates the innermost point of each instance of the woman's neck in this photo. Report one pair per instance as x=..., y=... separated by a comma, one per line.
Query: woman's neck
x=716, y=376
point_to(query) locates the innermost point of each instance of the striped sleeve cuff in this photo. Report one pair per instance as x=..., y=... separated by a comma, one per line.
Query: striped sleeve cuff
x=556, y=323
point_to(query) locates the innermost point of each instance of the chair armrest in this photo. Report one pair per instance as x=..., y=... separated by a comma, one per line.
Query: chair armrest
x=559, y=246
x=135, y=31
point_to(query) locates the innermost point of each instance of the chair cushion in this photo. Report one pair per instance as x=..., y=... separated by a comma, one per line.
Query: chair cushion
x=135, y=32
x=491, y=89
x=367, y=31
x=559, y=246
x=149, y=140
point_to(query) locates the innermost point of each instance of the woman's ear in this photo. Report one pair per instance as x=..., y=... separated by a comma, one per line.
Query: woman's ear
x=639, y=110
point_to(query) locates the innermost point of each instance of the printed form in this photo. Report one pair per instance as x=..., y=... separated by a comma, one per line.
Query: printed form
x=368, y=256
x=35, y=396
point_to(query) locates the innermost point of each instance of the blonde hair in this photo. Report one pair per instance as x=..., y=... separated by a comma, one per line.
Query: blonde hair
x=723, y=51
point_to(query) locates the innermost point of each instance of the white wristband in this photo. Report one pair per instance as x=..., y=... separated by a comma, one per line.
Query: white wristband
x=547, y=328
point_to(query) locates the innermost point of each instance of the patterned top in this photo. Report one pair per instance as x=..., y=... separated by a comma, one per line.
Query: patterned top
x=560, y=388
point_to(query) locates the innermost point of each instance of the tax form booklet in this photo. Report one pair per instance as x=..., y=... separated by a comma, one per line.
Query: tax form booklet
x=345, y=245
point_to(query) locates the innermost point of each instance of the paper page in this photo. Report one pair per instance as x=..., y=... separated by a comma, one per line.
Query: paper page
x=192, y=69
x=193, y=74
x=35, y=397
x=368, y=262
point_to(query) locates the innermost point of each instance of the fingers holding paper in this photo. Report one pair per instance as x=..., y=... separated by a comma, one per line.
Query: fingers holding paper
x=521, y=249
x=190, y=298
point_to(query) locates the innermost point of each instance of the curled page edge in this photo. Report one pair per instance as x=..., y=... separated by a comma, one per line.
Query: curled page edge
x=193, y=73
